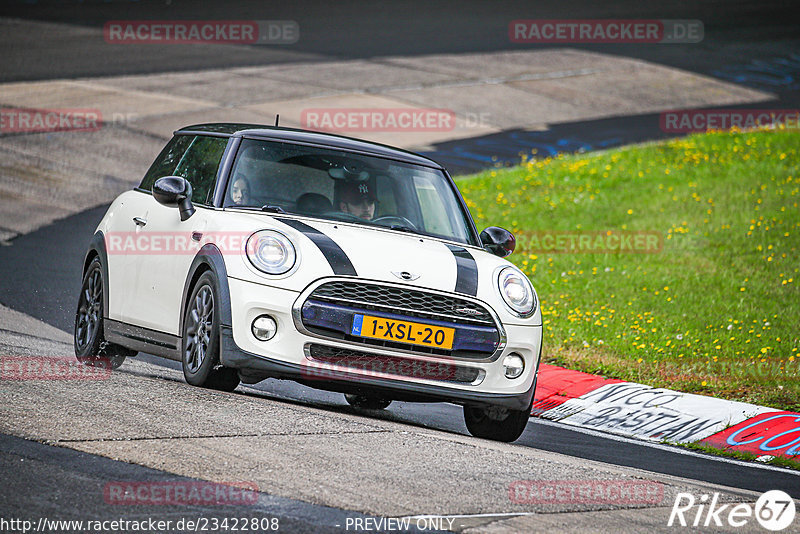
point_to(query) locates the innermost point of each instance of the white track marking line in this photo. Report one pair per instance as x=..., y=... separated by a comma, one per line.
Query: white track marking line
x=433, y=516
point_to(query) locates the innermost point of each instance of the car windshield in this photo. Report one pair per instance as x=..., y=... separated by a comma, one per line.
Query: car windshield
x=337, y=185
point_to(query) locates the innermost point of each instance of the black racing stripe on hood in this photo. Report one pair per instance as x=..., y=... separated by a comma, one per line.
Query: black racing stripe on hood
x=467, y=271
x=336, y=257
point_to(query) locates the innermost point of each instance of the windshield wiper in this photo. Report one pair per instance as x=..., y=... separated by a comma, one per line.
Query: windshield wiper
x=273, y=209
x=403, y=228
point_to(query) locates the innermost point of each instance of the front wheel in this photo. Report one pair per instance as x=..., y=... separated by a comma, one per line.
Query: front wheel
x=91, y=348
x=200, y=342
x=499, y=424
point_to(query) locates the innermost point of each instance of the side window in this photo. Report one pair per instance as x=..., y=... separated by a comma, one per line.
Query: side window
x=165, y=163
x=434, y=212
x=199, y=165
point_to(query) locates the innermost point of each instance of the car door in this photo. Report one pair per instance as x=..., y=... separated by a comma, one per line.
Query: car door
x=169, y=244
x=121, y=236
x=123, y=244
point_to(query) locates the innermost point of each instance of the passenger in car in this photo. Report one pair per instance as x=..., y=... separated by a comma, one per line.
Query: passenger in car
x=240, y=191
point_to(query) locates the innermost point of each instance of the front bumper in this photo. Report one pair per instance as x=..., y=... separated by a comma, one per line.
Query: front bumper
x=289, y=356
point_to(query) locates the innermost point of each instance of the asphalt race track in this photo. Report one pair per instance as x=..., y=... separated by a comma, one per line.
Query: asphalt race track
x=755, y=44
x=752, y=43
x=32, y=255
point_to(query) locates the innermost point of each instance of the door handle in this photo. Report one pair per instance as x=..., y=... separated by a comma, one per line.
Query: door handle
x=139, y=221
x=197, y=236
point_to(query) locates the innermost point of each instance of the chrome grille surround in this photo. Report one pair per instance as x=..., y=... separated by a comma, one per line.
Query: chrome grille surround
x=408, y=301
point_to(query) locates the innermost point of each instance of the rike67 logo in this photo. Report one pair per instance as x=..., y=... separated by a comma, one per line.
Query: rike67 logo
x=774, y=511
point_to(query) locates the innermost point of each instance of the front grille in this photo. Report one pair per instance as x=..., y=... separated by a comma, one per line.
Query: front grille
x=410, y=302
x=421, y=349
x=378, y=364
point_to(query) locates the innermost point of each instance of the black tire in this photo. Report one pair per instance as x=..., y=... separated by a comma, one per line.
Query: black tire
x=200, y=339
x=366, y=402
x=499, y=424
x=91, y=348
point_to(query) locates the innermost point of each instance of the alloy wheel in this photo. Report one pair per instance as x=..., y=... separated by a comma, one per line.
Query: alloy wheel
x=201, y=317
x=89, y=310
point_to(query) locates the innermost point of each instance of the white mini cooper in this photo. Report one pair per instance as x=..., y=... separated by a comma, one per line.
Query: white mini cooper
x=249, y=252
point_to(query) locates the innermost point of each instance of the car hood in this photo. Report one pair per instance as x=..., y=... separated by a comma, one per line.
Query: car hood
x=327, y=249
x=382, y=254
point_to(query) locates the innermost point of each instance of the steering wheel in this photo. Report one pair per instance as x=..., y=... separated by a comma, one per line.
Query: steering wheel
x=391, y=220
x=343, y=216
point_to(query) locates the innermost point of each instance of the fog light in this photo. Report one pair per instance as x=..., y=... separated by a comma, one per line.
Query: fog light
x=513, y=365
x=264, y=327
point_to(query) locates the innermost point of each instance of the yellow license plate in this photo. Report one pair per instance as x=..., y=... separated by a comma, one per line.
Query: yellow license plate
x=403, y=331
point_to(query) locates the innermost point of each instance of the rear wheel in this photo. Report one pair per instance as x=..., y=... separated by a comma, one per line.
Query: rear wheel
x=499, y=424
x=200, y=342
x=91, y=348
x=367, y=402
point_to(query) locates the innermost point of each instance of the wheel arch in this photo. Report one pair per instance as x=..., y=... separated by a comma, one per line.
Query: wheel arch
x=97, y=249
x=208, y=258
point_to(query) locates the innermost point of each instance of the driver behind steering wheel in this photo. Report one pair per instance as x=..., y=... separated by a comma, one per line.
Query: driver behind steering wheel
x=356, y=198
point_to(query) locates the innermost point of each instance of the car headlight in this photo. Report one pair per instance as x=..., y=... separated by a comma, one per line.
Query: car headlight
x=517, y=291
x=271, y=252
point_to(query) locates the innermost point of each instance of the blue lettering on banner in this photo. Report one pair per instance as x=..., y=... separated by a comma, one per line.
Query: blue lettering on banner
x=732, y=439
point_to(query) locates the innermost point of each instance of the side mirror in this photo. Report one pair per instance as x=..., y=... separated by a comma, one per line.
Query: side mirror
x=498, y=241
x=174, y=191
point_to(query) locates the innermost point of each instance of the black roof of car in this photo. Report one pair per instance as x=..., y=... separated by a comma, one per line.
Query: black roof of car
x=320, y=138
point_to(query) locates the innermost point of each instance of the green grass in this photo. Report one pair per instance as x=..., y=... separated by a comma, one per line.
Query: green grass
x=778, y=461
x=717, y=310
